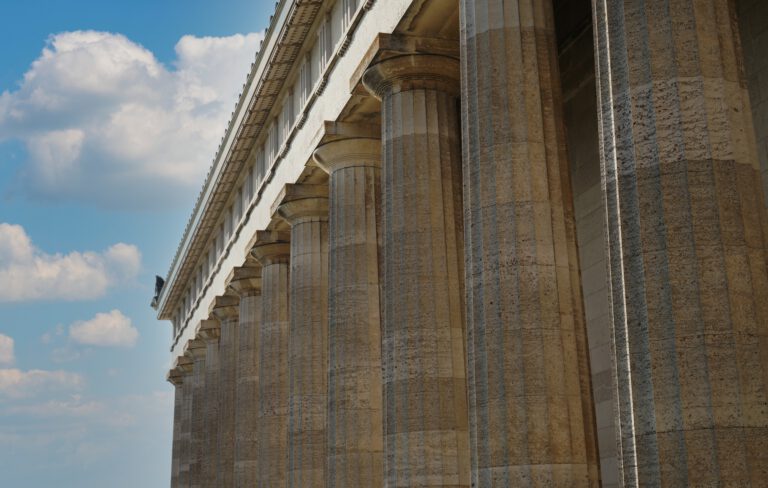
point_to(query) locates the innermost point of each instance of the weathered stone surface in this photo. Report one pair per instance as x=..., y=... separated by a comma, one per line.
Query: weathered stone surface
x=687, y=236
x=185, y=426
x=531, y=413
x=195, y=350
x=225, y=309
x=209, y=331
x=246, y=282
x=176, y=376
x=354, y=438
x=305, y=208
x=425, y=412
x=272, y=250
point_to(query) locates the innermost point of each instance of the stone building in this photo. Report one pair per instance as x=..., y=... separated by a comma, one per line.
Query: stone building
x=489, y=243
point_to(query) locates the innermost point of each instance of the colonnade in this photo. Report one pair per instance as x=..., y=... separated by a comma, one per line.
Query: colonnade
x=421, y=324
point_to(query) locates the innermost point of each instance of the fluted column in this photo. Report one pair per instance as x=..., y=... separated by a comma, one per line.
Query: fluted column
x=246, y=282
x=531, y=412
x=176, y=378
x=426, y=428
x=225, y=308
x=355, y=410
x=305, y=208
x=686, y=246
x=195, y=350
x=272, y=250
x=186, y=365
x=208, y=331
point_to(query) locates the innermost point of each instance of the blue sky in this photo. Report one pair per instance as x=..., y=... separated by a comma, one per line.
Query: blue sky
x=110, y=114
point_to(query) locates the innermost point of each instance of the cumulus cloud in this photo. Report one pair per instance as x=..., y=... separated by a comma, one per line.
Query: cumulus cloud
x=105, y=122
x=27, y=273
x=15, y=383
x=105, y=329
x=6, y=350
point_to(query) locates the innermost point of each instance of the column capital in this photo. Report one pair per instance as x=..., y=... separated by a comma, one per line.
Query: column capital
x=413, y=72
x=208, y=330
x=175, y=376
x=182, y=364
x=245, y=280
x=344, y=153
x=194, y=349
x=271, y=247
x=296, y=203
x=225, y=307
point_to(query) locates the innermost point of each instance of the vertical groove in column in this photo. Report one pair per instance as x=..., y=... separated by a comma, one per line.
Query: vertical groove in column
x=308, y=344
x=532, y=417
x=197, y=418
x=426, y=427
x=272, y=429
x=687, y=243
x=355, y=440
x=247, y=386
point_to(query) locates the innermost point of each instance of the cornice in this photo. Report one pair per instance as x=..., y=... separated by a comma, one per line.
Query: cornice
x=292, y=19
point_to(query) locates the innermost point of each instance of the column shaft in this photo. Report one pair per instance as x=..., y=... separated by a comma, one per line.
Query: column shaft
x=308, y=344
x=426, y=431
x=687, y=244
x=178, y=402
x=227, y=372
x=197, y=422
x=531, y=411
x=355, y=414
x=212, y=413
x=185, y=429
x=246, y=395
x=272, y=430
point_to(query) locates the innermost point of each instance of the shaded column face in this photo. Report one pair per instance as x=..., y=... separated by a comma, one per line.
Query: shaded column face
x=308, y=344
x=248, y=286
x=425, y=413
x=687, y=234
x=531, y=411
x=211, y=415
x=272, y=425
x=226, y=310
x=355, y=436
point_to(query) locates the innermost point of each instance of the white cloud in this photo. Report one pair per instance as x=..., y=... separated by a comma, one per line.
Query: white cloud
x=71, y=407
x=6, y=350
x=27, y=273
x=105, y=122
x=105, y=329
x=15, y=383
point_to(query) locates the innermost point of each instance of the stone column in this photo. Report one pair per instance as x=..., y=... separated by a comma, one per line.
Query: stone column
x=355, y=418
x=246, y=282
x=186, y=366
x=305, y=208
x=686, y=245
x=209, y=331
x=195, y=350
x=531, y=411
x=225, y=309
x=176, y=378
x=272, y=250
x=425, y=412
